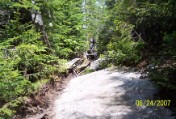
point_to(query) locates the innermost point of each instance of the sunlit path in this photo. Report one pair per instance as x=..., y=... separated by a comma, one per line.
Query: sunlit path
x=108, y=95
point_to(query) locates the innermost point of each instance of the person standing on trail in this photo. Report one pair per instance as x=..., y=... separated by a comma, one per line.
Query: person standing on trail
x=92, y=43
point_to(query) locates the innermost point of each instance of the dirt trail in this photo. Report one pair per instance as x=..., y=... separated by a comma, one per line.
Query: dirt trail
x=108, y=94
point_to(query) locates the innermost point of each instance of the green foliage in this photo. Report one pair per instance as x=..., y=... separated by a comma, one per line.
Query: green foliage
x=122, y=47
x=10, y=108
x=65, y=33
x=115, y=38
x=30, y=52
x=6, y=113
x=25, y=57
x=169, y=43
x=164, y=77
x=153, y=22
x=9, y=82
x=87, y=71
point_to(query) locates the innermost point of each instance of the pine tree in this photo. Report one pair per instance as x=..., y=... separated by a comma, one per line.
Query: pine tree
x=35, y=36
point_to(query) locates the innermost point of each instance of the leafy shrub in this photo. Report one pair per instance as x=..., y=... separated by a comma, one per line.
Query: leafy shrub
x=32, y=52
x=164, y=77
x=122, y=49
x=87, y=71
x=169, y=43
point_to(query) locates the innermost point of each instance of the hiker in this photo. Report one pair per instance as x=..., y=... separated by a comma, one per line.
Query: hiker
x=92, y=44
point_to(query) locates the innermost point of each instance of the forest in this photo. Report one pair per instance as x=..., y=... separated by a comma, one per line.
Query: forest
x=37, y=37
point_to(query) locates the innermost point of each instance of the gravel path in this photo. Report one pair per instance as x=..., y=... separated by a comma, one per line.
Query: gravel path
x=108, y=94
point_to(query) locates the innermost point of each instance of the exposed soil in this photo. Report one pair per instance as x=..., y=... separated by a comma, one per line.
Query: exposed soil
x=39, y=105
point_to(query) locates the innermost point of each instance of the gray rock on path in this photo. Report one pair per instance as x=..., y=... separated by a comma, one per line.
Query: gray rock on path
x=108, y=94
x=96, y=64
x=72, y=62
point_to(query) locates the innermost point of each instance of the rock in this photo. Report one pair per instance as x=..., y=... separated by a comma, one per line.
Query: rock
x=96, y=64
x=81, y=67
x=72, y=63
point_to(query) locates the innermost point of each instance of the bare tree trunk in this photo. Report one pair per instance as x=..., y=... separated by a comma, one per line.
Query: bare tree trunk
x=39, y=24
x=45, y=36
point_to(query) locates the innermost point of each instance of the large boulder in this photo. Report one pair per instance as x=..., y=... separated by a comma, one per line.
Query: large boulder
x=95, y=65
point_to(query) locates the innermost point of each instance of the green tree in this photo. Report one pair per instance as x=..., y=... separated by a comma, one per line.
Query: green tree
x=35, y=36
x=64, y=24
x=148, y=20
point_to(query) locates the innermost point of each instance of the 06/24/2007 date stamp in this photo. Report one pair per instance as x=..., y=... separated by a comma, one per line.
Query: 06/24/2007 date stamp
x=153, y=103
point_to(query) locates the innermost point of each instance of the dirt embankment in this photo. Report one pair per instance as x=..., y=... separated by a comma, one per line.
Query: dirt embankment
x=38, y=105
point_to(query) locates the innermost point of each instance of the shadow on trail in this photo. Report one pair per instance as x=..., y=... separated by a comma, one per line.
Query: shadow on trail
x=135, y=90
x=139, y=89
